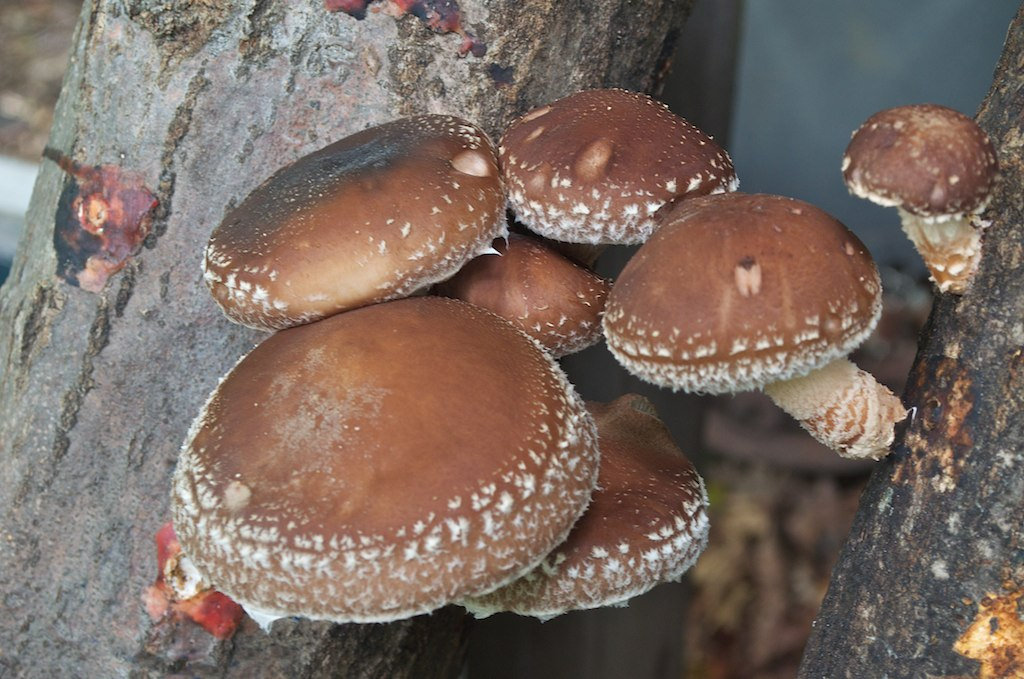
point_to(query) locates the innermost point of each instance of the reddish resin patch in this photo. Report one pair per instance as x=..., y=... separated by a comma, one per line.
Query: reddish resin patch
x=356, y=8
x=440, y=16
x=103, y=216
x=213, y=611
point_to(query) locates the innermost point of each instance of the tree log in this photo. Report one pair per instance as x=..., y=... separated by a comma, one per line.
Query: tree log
x=931, y=580
x=192, y=105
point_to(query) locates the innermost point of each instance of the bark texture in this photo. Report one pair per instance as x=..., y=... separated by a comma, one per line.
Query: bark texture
x=201, y=101
x=931, y=581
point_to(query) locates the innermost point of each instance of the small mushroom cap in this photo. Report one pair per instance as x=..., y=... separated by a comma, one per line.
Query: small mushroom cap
x=738, y=290
x=374, y=216
x=550, y=298
x=927, y=159
x=595, y=166
x=383, y=463
x=646, y=524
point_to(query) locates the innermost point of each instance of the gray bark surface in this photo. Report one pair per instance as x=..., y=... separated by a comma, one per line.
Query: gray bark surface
x=204, y=100
x=931, y=581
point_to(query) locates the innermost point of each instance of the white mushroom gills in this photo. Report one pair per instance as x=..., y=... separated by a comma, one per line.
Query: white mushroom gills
x=843, y=407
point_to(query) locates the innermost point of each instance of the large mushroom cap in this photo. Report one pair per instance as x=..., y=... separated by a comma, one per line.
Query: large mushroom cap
x=927, y=159
x=382, y=463
x=372, y=217
x=738, y=290
x=595, y=166
x=550, y=298
x=646, y=524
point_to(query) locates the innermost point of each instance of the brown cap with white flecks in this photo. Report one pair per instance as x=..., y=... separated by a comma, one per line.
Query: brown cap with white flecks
x=738, y=290
x=927, y=159
x=595, y=166
x=375, y=216
x=553, y=300
x=382, y=463
x=646, y=524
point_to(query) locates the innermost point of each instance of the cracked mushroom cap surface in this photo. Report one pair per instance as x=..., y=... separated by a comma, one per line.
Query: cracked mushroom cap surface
x=549, y=297
x=372, y=217
x=382, y=463
x=595, y=166
x=927, y=159
x=646, y=524
x=738, y=290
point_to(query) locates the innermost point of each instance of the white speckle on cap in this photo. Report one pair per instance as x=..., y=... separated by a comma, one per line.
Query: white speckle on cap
x=236, y=496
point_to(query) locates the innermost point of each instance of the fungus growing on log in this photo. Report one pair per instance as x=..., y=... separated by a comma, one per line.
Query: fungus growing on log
x=646, y=524
x=372, y=217
x=738, y=292
x=938, y=168
x=550, y=298
x=595, y=166
x=382, y=463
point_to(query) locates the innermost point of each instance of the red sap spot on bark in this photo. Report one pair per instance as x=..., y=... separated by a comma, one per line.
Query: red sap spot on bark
x=440, y=16
x=212, y=610
x=356, y=8
x=103, y=216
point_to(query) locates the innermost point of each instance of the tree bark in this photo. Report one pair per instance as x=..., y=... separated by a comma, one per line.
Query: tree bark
x=930, y=583
x=194, y=104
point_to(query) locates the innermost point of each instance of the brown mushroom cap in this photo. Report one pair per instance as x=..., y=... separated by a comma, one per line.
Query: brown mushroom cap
x=375, y=216
x=382, y=463
x=550, y=298
x=595, y=166
x=738, y=290
x=927, y=159
x=646, y=524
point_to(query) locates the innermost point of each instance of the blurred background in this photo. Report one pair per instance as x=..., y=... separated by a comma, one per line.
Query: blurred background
x=781, y=84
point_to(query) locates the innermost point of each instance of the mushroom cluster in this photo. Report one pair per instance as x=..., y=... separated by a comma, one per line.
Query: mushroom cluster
x=407, y=440
x=386, y=453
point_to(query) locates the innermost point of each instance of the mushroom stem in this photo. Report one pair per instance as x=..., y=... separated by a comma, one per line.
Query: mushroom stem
x=843, y=407
x=950, y=246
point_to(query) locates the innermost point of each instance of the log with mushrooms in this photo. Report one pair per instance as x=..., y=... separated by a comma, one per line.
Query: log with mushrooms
x=738, y=292
x=938, y=168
